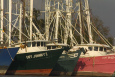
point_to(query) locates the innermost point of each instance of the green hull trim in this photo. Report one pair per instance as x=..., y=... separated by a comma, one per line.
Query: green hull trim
x=35, y=60
x=66, y=63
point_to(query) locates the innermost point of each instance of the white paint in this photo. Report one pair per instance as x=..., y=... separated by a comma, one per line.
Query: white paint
x=2, y=8
x=31, y=16
x=10, y=20
x=37, y=55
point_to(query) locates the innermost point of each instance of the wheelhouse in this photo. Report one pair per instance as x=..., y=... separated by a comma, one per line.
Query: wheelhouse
x=54, y=45
x=35, y=43
x=95, y=47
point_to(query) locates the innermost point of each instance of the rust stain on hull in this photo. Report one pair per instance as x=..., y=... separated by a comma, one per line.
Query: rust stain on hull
x=58, y=73
x=38, y=72
x=91, y=74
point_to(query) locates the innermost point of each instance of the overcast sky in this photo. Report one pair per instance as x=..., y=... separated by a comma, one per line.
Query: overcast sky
x=105, y=9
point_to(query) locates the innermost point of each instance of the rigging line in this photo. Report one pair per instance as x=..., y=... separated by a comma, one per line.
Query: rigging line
x=75, y=29
x=16, y=18
x=26, y=27
x=6, y=35
x=16, y=28
x=101, y=34
x=15, y=23
x=9, y=54
x=75, y=23
x=87, y=35
x=14, y=34
x=58, y=33
x=72, y=35
x=97, y=30
x=37, y=24
x=104, y=39
x=52, y=29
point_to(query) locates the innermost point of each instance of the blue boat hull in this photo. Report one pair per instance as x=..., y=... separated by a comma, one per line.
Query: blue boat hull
x=6, y=57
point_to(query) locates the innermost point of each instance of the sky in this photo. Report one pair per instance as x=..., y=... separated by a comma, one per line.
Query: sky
x=104, y=9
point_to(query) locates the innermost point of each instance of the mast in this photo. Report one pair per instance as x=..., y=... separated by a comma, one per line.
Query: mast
x=31, y=16
x=57, y=23
x=10, y=20
x=2, y=7
x=20, y=23
x=80, y=20
x=23, y=18
x=68, y=10
x=47, y=11
x=66, y=25
x=88, y=21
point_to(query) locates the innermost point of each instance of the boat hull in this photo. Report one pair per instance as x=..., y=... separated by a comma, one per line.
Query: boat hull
x=34, y=63
x=6, y=57
x=95, y=66
x=66, y=64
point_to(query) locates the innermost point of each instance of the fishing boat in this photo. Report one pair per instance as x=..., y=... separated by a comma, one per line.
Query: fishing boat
x=98, y=61
x=35, y=59
x=67, y=61
x=7, y=55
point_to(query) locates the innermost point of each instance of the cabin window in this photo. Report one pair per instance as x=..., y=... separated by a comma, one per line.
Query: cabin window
x=101, y=49
x=53, y=47
x=42, y=44
x=48, y=47
x=105, y=49
x=90, y=48
x=29, y=44
x=33, y=44
x=95, y=48
x=23, y=43
x=38, y=43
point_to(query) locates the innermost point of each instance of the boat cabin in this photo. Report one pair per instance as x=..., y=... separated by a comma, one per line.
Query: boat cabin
x=96, y=49
x=55, y=45
x=35, y=43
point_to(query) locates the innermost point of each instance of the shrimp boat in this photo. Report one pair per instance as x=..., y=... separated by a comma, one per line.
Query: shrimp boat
x=67, y=61
x=35, y=59
x=7, y=55
x=98, y=61
x=7, y=51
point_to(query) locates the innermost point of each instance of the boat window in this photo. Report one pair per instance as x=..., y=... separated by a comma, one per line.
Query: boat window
x=48, y=47
x=42, y=44
x=95, y=48
x=90, y=48
x=29, y=44
x=53, y=47
x=33, y=44
x=23, y=43
x=57, y=46
x=38, y=43
x=105, y=49
x=101, y=49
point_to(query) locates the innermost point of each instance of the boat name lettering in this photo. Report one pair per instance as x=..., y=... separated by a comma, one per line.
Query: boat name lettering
x=36, y=55
x=73, y=55
x=29, y=57
x=62, y=57
x=109, y=57
x=40, y=55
